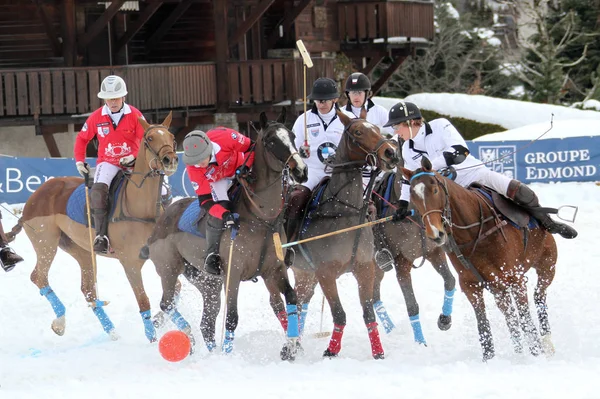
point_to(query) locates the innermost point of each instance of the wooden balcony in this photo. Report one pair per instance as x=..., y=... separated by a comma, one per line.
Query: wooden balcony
x=71, y=93
x=380, y=21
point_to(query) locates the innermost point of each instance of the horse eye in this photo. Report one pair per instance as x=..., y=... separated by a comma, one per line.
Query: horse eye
x=435, y=190
x=357, y=133
x=149, y=138
x=271, y=143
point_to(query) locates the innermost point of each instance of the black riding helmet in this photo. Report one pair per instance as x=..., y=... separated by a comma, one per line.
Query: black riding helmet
x=324, y=89
x=402, y=112
x=358, y=82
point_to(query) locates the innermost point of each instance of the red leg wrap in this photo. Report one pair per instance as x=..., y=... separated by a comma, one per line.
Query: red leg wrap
x=282, y=317
x=335, y=343
x=376, y=348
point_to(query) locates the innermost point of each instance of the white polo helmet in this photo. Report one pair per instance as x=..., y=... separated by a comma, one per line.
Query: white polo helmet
x=112, y=87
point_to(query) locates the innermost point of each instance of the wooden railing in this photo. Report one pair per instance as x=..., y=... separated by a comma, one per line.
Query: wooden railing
x=73, y=91
x=365, y=21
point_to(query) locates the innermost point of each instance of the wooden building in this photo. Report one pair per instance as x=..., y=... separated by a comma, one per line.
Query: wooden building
x=203, y=59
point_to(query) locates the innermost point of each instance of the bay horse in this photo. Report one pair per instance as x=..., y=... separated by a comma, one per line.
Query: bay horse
x=406, y=241
x=342, y=205
x=136, y=208
x=488, y=252
x=175, y=251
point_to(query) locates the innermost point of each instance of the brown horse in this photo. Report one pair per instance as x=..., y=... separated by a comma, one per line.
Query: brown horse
x=342, y=205
x=487, y=252
x=178, y=248
x=406, y=241
x=136, y=209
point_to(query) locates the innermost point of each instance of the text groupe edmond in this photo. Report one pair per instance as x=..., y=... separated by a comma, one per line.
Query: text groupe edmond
x=558, y=172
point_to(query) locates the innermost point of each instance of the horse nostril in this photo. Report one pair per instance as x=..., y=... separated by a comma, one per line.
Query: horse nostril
x=389, y=153
x=166, y=160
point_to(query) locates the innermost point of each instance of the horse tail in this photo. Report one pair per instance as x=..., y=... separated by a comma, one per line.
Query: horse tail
x=10, y=236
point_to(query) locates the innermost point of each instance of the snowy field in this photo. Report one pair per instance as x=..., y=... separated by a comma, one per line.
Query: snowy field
x=84, y=363
x=34, y=362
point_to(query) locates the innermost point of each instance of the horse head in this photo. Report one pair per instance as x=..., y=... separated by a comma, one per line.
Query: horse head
x=365, y=142
x=280, y=148
x=429, y=195
x=159, y=146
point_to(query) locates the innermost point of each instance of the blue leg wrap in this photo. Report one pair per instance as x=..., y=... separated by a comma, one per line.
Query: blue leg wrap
x=149, y=329
x=448, y=300
x=57, y=305
x=179, y=321
x=384, y=317
x=415, y=323
x=211, y=345
x=302, y=318
x=292, y=316
x=107, y=325
x=228, y=342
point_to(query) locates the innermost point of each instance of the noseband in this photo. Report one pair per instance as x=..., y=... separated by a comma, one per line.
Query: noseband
x=446, y=212
x=156, y=157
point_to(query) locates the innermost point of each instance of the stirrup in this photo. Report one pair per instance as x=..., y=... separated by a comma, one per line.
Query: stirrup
x=384, y=259
x=99, y=242
x=290, y=257
x=213, y=266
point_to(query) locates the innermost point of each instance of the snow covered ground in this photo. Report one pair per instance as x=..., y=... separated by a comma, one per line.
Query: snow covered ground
x=84, y=363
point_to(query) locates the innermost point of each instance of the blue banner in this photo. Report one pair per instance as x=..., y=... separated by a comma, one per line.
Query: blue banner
x=19, y=177
x=543, y=161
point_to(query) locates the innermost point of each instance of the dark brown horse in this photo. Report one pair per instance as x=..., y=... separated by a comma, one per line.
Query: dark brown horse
x=341, y=206
x=137, y=207
x=406, y=241
x=488, y=252
x=176, y=251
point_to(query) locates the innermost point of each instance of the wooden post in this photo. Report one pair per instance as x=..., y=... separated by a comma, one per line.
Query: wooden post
x=69, y=46
x=222, y=51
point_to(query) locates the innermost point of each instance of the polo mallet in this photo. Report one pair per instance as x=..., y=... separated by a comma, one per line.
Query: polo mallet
x=307, y=61
x=279, y=247
x=321, y=333
x=93, y=255
x=234, y=232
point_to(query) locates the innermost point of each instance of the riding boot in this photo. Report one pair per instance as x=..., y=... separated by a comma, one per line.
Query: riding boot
x=525, y=197
x=99, y=205
x=298, y=199
x=8, y=257
x=214, y=231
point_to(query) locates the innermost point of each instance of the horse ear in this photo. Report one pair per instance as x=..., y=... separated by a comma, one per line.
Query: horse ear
x=363, y=113
x=407, y=173
x=263, y=120
x=282, y=116
x=167, y=122
x=345, y=119
x=145, y=125
x=426, y=164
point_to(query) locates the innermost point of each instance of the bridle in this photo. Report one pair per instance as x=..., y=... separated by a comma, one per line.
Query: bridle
x=156, y=154
x=446, y=212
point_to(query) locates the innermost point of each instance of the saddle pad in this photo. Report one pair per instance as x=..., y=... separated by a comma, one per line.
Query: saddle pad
x=389, y=185
x=188, y=222
x=76, y=209
x=509, y=210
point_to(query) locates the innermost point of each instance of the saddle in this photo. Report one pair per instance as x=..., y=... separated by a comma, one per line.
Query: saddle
x=507, y=208
x=312, y=205
x=384, y=188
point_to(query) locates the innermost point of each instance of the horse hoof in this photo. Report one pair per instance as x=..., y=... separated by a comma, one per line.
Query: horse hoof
x=113, y=335
x=329, y=354
x=288, y=353
x=378, y=356
x=159, y=319
x=59, y=325
x=488, y=356
x=444, y=322
x=548, y=346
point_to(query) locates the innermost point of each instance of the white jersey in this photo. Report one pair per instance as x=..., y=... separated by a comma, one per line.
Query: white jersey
x=435, y=138
x=323, y=139
x=378, y=116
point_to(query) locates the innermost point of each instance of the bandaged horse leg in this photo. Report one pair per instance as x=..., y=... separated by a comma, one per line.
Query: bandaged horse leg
x=412, y=306
x=378, y=306
x=531, y=334
x=58, y=324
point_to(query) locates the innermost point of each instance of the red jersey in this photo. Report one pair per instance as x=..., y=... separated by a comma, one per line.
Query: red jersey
x=228, y=154
x=113, y=142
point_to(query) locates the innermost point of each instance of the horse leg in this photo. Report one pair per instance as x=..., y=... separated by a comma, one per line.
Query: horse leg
x=438, y=260
x=160, y=318
x=133, y=271
x=305, y=283
x=45, y=244
x=327, y=281
x=531, y=334
x=210, y=287
x=231, y=316
x=364, y=274
x=280, y=283
x=380, y=310
x=88, y=285
x=474, y=293
x=545, y=278
x=505, y=304
x=403, y=276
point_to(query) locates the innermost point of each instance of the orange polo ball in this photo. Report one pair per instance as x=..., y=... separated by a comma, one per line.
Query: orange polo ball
x=174, y=346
